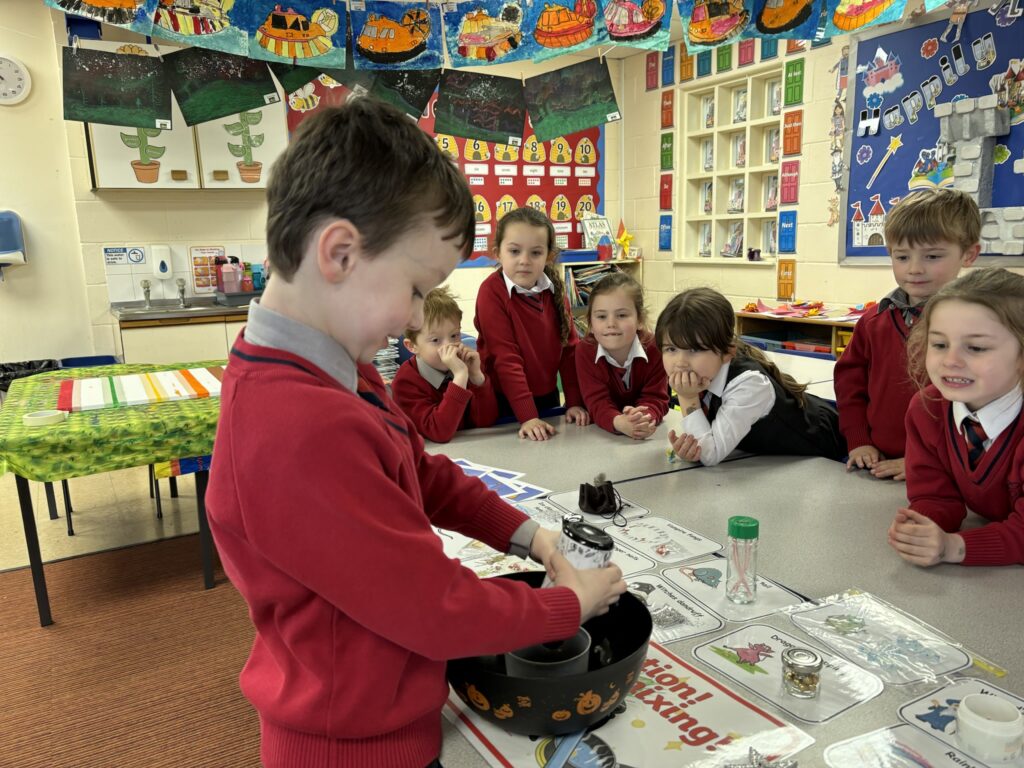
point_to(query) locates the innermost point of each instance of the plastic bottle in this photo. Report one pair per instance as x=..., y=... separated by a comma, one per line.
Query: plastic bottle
x=741, y=557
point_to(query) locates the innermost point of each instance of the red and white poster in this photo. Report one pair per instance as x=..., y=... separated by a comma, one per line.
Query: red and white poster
x=675, y=715
x=665, y=192
x=652, y=70
x=561, y=178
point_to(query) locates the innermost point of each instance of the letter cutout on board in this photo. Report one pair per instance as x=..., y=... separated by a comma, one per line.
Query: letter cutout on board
x=868, y=126
x=912, y=104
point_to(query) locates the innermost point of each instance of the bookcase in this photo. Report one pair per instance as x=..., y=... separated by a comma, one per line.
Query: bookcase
x=731, y=152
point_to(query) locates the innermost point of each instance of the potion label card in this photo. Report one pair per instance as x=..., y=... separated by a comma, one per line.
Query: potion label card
x=935, y=712
x=899, y=746
x=570, y=502
x=674, y=715
x=704, y=581
x=675, y=615
x=752, y=657
x=546, y=512
x=493, y=563
x=662, y=540
x=631, y=562
x=881, y=639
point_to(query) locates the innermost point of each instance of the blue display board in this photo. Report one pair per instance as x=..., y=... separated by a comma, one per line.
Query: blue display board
x=897, y=79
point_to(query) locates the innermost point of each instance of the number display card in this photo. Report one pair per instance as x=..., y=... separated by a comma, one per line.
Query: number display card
x=875, y=635
x=752, y=657
x=675, y=715
x=662, y=540
x=935, y=712
x=704, y=581
x=675, y=615
x=899, y=746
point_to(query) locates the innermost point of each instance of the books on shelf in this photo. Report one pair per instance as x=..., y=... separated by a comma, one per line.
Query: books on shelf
x=580, y=281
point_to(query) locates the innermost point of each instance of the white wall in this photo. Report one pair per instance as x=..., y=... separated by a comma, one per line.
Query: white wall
x=44, y=311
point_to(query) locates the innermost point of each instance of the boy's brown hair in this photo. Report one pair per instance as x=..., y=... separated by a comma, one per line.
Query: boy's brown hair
x=930, y=216
x=438, y=305
x=368, y=163
x=995, y=288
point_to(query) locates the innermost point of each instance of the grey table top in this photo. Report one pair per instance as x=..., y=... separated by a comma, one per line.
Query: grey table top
x=823, y=531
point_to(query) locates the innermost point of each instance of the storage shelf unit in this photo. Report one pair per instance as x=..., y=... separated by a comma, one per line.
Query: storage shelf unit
x=795, y=333
x=731, y=148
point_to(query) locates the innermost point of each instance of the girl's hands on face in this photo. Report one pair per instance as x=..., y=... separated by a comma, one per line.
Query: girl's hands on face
x=688, y=383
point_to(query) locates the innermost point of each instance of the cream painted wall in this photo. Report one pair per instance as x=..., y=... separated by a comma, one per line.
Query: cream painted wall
x=43, y=308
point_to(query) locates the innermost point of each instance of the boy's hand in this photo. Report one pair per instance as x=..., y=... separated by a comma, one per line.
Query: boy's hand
x=686, y=446
x=449, y=355
x=471, y=358
x=544, y=544
x=863, y=457
x=578, y=415
x=536, y=429
x=890, y=468
x=597, y=588
x=688, y=384
x=919, y=540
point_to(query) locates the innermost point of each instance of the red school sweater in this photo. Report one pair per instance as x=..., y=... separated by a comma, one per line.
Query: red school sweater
x=605, y=395
x=521, y=347
x=321, y=507
x=439, y=413
x=940, y=483
x=873, y=388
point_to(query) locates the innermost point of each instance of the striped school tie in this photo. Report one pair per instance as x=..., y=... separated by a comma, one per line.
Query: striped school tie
x=702, y=398
x=533, y=300
x=976, y=437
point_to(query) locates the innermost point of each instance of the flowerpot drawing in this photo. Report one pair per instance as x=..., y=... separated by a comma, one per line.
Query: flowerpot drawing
x=249, y=172
x=146, y=173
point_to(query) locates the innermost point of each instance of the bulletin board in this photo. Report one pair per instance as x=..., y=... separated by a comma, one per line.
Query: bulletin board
x=903, y=74
x=563, y=177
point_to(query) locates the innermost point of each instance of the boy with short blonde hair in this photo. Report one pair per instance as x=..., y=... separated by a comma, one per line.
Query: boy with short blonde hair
x=442, y=388
x=322, y=500
x=931, y=235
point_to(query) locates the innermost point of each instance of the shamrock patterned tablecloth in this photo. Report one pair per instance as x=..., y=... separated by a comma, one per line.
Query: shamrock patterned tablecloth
x=91, y=442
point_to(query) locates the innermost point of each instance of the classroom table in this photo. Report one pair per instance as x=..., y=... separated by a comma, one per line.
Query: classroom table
x=91, y=442
x=823, y=531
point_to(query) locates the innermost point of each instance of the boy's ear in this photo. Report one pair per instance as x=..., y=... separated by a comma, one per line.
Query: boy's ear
x=409, y=345
x=970, y=255
x=338, y=250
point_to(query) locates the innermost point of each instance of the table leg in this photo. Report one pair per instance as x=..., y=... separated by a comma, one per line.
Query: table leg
x=156, y=493
x=205, y=539
x=51, y=500
x=67, y=506
x=35, y=560
x=173, y=482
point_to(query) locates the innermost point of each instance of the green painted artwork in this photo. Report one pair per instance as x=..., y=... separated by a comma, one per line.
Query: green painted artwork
x=292, y=77
x=723, y=58
x=794, y=83
x=209, y=85
x=571, y=99
x=147, y=167
x=115, y=89
x=481, y=107
x=667, y=151
x=248, y=169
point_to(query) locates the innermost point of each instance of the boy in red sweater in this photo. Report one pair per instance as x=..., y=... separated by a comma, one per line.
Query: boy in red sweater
x=965, y=434
x=526, y=334
x=443, y=388
x=931, y=235
x=321, y=497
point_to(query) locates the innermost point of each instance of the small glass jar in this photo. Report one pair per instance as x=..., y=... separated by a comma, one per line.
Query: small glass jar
x=801, y=672
x=741, y=560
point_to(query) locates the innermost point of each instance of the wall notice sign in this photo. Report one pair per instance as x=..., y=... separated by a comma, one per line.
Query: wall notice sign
x=203, y=260
x=112, y=256
x=136, y=254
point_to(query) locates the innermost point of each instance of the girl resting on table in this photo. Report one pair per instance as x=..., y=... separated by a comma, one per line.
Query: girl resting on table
x=964, y=446
x=731, y=395
x=618, y=363
x=526, y=335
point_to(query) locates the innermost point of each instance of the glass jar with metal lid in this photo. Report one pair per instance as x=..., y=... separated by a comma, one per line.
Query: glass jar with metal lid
x=801, y=672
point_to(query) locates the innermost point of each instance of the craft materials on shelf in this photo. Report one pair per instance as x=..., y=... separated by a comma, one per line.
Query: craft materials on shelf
x=139, y=389
x=801, y=672
x=741, y=559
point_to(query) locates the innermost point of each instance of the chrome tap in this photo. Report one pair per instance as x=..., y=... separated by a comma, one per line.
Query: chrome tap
x=180, y=282
x=145, y=293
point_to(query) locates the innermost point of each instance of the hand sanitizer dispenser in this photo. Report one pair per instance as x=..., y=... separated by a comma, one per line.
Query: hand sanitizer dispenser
x=161, y=255
x=12, y=241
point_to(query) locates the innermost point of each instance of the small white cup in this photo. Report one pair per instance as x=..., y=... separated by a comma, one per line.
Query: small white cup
x=989, y=727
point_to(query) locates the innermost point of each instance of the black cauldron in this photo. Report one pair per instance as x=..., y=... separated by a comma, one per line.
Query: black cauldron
x=554, y=706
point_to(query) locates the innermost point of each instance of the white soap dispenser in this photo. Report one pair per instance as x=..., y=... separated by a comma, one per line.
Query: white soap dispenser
x=161, y=255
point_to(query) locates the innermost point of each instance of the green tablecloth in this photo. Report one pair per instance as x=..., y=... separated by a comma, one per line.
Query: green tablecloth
x=91, y=442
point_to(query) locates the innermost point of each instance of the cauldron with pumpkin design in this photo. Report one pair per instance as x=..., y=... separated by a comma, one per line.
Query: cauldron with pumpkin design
x=557, y=705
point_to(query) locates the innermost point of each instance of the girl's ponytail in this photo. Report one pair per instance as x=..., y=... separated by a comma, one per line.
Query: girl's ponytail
x=554, y=273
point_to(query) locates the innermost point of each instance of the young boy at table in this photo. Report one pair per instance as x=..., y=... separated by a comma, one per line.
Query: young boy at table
x=321, y=498
x=931, y=235
x=442, y=388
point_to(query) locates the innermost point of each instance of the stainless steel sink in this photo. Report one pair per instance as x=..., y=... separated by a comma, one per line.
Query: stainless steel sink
x=169, y=308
